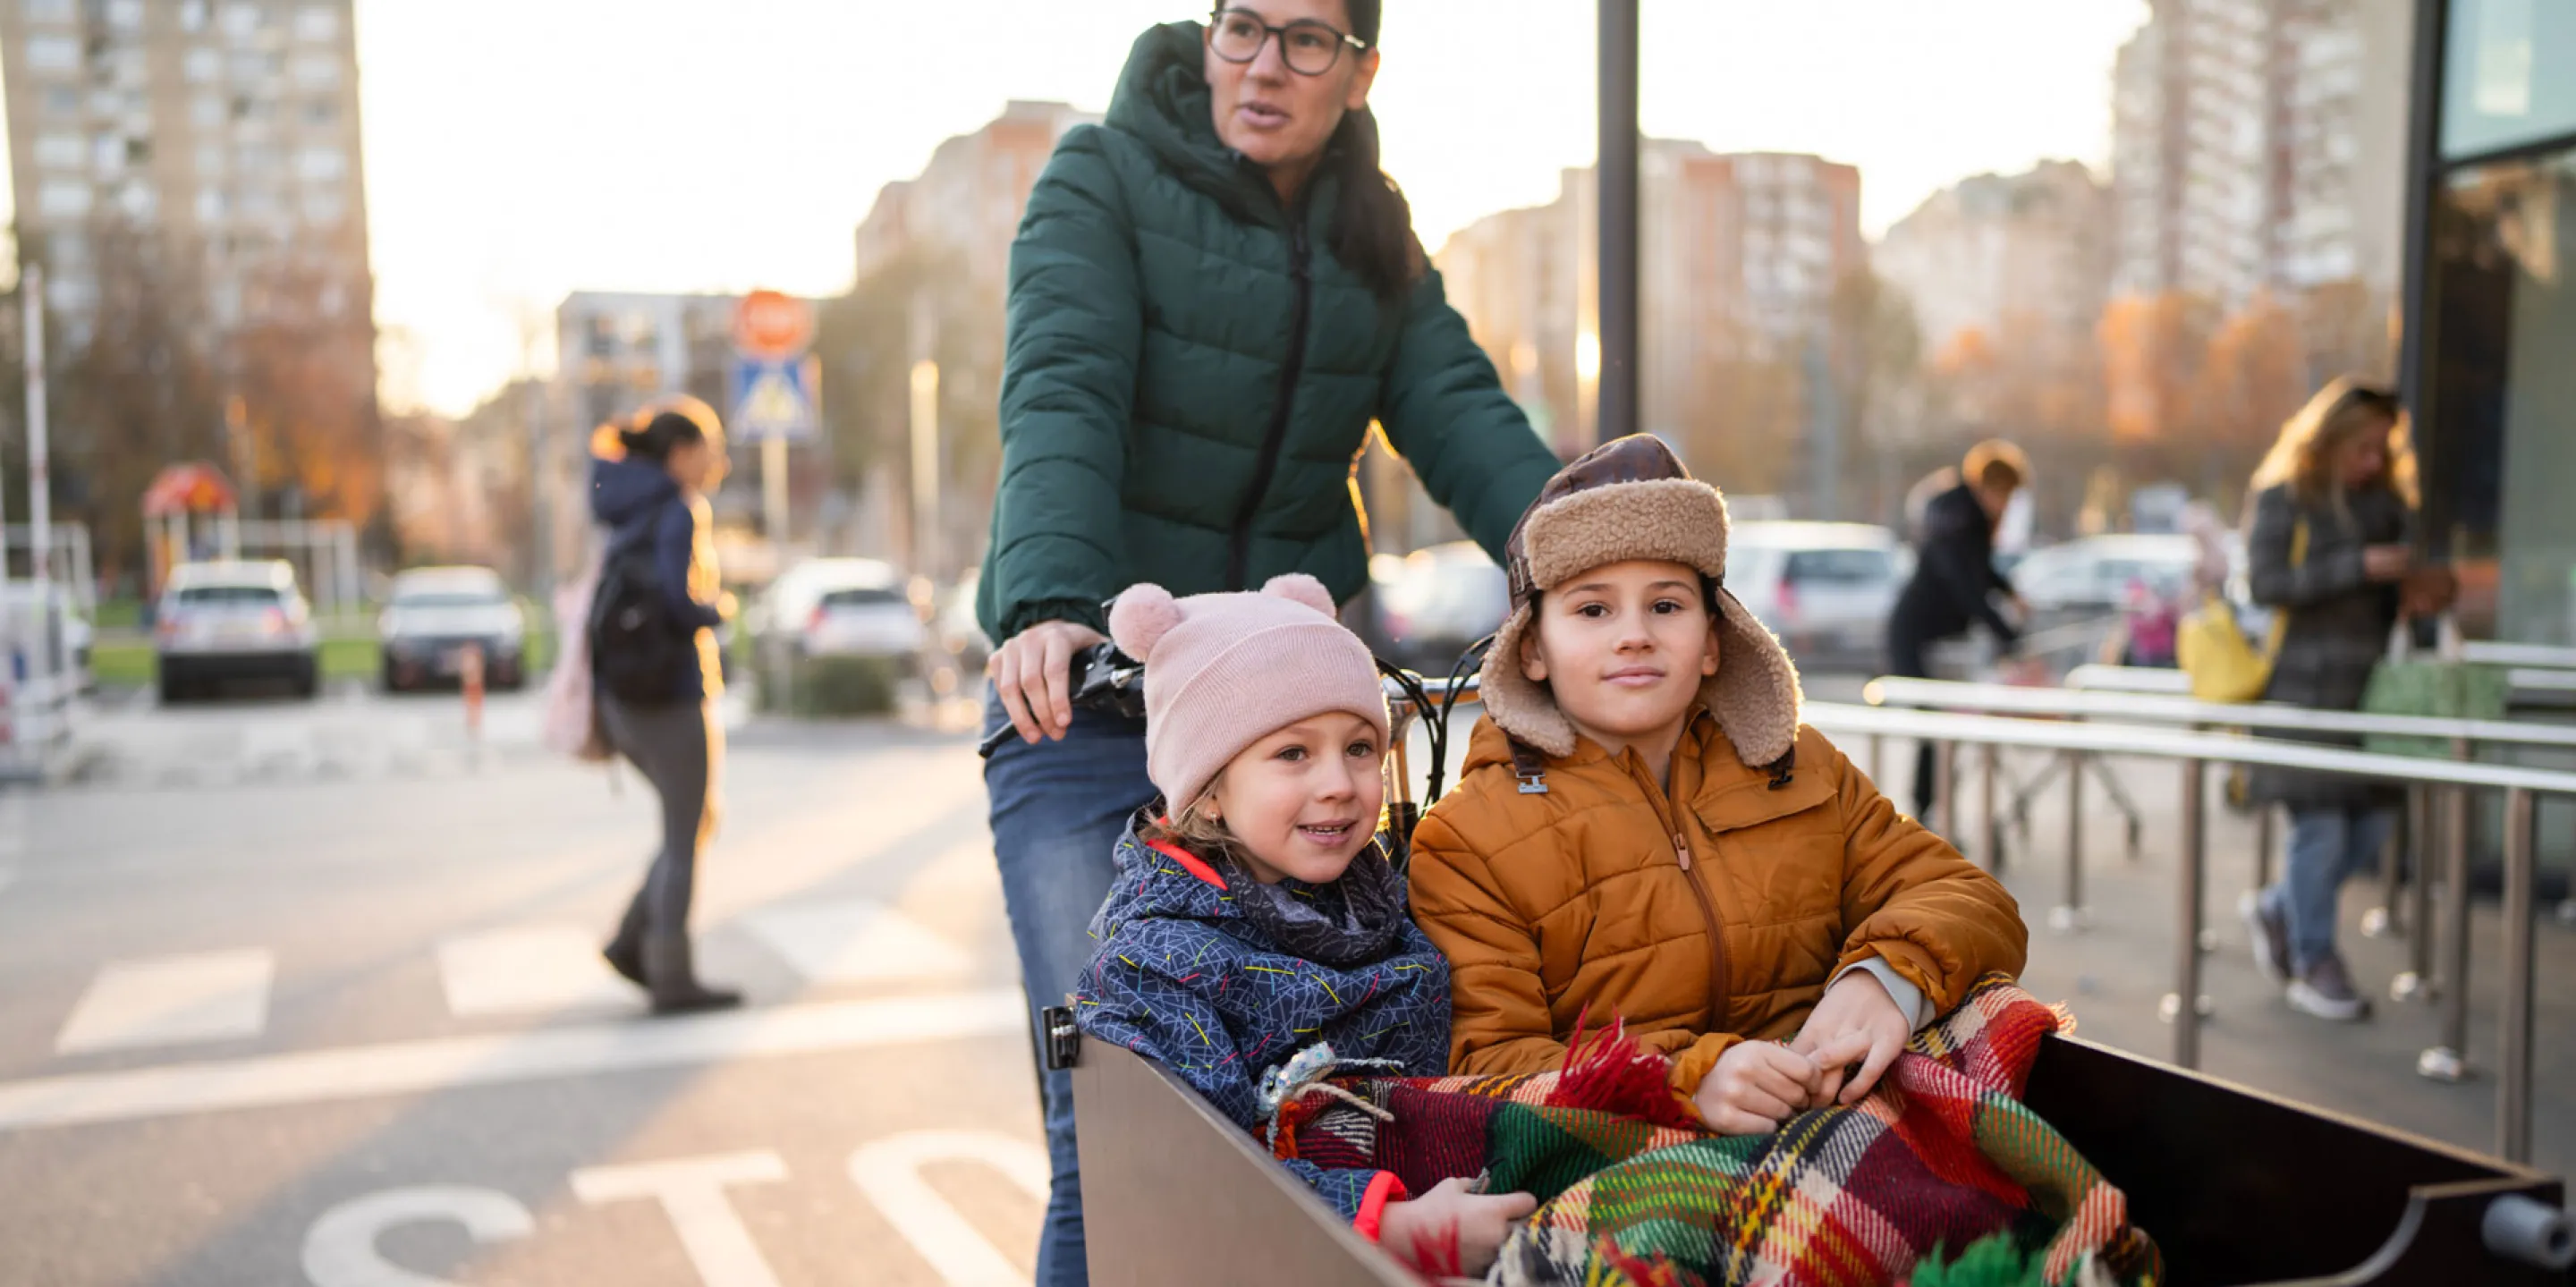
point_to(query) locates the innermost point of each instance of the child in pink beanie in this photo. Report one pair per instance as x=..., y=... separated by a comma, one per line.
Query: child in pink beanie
x=1258, y=911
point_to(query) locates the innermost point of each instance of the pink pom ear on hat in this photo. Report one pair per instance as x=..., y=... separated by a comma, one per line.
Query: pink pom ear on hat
x=1297, y=587
x=1141, y=617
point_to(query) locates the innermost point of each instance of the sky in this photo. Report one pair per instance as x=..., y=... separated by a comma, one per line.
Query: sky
x=520, y=149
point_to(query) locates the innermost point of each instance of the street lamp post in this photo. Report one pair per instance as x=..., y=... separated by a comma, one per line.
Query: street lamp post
x=925, y=466
x=1616, y=171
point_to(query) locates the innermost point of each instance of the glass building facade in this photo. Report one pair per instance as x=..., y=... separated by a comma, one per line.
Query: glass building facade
x=2495, y=375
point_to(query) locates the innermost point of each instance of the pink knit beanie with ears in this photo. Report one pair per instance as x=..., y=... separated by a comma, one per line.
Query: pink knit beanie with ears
x=1223, y=671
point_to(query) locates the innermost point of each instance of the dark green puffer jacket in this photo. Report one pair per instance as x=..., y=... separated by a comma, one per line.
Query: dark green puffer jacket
x=1190, y=373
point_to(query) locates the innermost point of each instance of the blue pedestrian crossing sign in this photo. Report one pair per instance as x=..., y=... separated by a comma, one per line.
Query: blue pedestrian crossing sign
x=773, y=397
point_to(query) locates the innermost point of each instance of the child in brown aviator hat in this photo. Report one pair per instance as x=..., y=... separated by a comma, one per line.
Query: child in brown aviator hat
x=1644, y=831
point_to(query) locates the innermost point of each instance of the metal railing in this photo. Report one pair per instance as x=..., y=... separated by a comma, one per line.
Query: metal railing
x=2195, y=751
x=2489, y=652
x=2129, y=679
x=2523, y=678
x=2446, y=1061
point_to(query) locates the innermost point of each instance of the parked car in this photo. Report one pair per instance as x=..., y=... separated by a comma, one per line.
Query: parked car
x=433, y=614
x=783, y=610
x=2093, y=574
x=18, y=598
x=866, y=621
x=1437, y=603
x=224, y=621
x=1825, y=588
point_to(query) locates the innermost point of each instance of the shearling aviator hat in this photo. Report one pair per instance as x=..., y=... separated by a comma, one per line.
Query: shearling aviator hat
x=1223, y=671
x=1623, y=500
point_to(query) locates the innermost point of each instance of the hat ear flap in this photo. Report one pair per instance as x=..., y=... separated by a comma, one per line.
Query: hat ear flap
x=1143, y=614
x=1297, y=587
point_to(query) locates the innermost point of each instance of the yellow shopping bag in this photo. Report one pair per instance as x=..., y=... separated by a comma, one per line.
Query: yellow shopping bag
x=2213, y=650
x=2221, y=661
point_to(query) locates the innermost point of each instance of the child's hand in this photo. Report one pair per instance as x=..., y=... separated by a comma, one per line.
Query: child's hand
x=1856, y=1023
x=1755, y=1086
x=1450, y=1231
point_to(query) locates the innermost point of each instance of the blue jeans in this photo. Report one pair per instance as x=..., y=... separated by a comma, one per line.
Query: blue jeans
x=2326, y=845
x=1058, y=809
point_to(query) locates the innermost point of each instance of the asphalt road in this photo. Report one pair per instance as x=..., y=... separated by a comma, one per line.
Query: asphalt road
x=322, y=1008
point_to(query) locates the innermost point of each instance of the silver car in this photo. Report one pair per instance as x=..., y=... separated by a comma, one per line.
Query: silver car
x=2094, y=574
x=219, y=622
x=434, y=614
x=1825, y=588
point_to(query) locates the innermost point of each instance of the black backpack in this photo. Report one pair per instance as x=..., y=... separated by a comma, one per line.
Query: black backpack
x=638, y=653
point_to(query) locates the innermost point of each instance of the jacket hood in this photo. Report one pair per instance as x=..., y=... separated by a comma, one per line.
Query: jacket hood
x=1348, y=922
x=624, y=492
x=1163, y=101
x=1154, y=882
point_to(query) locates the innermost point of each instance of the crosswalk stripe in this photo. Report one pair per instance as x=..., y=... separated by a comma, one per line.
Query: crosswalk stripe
x=170, y=1000
x=853, y=941
x=528, y=968
x=404, y=1067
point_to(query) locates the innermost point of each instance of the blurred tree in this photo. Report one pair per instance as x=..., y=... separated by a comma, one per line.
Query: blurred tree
x=2254, y=377
x=1745, y=419
x=2152, y=350
x=2350, y=329
x=919, y=303
x=1877, y=375
x=133, y=388
x=303, y=365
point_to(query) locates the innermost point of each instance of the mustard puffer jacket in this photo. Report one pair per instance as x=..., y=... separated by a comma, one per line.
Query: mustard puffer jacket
x=1702, y=916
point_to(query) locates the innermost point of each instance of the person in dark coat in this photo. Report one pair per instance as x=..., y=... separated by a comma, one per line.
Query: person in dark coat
x=1213, y=295
x=2332, y=516
x=649, y=480
x=1955, y=580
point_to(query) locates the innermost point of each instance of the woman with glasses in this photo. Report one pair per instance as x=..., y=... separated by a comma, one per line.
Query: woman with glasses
x=1213, y=295
x=2332, y=512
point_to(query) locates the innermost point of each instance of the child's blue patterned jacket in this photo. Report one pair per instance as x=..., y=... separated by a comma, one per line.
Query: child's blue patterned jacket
x=1184, y=978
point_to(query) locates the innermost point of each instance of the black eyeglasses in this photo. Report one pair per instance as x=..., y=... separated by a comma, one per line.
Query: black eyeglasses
x=1309, y=47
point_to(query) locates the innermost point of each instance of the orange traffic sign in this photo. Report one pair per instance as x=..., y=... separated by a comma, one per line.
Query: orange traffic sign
x=771, y=324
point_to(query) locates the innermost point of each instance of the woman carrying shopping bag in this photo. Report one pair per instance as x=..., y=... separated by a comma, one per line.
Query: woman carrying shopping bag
x=2329, y=550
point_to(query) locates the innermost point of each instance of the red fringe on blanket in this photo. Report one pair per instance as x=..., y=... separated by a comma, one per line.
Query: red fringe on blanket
x=1606, y=1072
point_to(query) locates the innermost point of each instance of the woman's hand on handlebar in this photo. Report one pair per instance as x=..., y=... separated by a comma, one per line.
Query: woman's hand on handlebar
x=1033, y=671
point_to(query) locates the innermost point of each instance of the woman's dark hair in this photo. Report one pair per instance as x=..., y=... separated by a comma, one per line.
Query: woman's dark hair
x=654, y=437
x=1373, y=224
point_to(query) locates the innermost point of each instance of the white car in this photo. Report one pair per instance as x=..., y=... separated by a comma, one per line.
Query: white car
x=2093, y=574
x=432, y=615
x=787, y=606
x=224, y=621
x=1825, y=588
x=18, y=599
x=865, y=621
x=1438, y=602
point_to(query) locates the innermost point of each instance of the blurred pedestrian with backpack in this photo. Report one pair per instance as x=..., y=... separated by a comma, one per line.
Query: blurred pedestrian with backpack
x=653, y=654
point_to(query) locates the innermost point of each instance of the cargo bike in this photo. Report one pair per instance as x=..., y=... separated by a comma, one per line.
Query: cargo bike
x=2236, y=1186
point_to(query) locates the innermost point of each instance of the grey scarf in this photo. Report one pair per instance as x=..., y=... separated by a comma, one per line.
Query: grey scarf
x=1344, y=923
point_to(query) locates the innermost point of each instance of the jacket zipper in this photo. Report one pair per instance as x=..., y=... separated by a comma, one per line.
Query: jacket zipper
x=1238, y=560
x=1669, y=814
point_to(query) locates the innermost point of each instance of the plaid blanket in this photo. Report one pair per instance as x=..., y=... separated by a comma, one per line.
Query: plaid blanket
x=1942, y=1160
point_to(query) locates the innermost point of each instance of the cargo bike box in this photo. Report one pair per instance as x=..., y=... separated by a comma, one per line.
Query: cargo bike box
x=2237, y=1187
